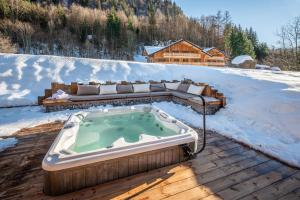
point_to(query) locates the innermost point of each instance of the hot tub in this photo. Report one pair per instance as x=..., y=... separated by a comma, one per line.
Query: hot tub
x=104, y=145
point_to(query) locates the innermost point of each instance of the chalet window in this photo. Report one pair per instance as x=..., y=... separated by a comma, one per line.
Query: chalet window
x=185, y=60
x=196, y=60
x=176, y=60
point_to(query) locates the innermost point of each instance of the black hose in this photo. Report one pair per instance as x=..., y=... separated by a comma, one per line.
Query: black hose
x=204, y=126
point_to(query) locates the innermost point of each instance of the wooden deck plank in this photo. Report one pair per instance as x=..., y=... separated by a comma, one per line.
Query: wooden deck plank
x=225, y=169
x=172, y=188
x=221, y=183
x=254, y=184
x=295, y=195
x=277, y=190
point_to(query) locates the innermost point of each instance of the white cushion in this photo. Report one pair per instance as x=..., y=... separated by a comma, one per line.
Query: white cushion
x=194, y=89
x=172, y=86
x=141, y=87
x=108, y=89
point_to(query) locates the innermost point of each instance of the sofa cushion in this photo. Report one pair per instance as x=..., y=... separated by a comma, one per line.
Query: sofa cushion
x=207, y=99
x=194, y=89
x=96, y=97
x=108, y=89
x=172, y=86
x=123, y=89
x=138, y=95
x=88, y=89
x=183, y=87
x=157, y=87
x=145, y=87
x=148, y=94
x=183, y=95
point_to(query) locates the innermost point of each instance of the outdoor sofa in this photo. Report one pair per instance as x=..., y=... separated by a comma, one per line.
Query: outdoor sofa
x=82, y=96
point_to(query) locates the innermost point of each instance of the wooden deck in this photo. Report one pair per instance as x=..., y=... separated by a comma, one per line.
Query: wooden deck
x=225, y=170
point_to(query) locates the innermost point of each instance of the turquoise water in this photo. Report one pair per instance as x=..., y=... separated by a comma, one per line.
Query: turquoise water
x=101, y=132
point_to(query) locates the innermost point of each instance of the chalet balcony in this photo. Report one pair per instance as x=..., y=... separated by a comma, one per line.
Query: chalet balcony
x=181, y=55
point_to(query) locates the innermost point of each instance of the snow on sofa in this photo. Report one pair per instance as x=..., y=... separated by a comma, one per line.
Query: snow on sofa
x=78, y=95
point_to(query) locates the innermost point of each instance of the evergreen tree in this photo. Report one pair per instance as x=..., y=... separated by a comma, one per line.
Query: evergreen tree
x=261, y=51
x=83, y=31
x=113, y=28
x=238, y=43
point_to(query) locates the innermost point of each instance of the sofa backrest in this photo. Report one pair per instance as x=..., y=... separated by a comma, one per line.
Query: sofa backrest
x=157, y=87
x=124, y=88
x=87, y=89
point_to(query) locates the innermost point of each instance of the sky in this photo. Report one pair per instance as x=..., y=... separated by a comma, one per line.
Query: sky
x=265, y=16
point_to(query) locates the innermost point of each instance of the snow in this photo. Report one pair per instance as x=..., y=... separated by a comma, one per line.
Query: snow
x=263, y=107
x=275, y=69
x=266, y=67
x=139, y=58
x=241, y=59
x=206, y=50
x=8, y=142
x=153, y=49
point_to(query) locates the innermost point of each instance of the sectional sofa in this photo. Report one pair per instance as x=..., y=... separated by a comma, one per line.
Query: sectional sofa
x=125, y=93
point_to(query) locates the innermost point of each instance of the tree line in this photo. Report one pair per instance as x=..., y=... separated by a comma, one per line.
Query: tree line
x=287, y=53
x=116, y=28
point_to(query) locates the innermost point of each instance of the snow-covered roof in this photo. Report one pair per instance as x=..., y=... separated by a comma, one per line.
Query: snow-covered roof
x=207, y=49
x=153, y=49
x=241, y=59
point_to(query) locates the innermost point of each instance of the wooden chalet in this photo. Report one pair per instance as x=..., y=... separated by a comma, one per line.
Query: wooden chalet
x=185, y=52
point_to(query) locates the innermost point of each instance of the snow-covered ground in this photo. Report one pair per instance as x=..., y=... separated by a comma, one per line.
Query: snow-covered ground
x=263, y=107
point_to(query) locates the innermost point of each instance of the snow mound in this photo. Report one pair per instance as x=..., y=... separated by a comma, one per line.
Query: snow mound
x=266, y=67
x=241, y=59
x=275, y=69
x=8, y=142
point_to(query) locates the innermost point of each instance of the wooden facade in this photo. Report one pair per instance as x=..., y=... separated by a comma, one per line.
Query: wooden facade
x=185, y=52
x=217, y=57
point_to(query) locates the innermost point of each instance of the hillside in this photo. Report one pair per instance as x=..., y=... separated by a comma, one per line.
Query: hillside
x=113, y=29
x=263, y=107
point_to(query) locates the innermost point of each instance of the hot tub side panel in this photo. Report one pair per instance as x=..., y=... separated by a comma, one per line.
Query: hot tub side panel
x=72, y=179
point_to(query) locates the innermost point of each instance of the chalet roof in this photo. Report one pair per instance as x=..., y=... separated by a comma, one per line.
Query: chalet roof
x=154, y=49
x=207, y=49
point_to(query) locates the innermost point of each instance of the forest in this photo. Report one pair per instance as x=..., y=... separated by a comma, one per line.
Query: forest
x=117, y=29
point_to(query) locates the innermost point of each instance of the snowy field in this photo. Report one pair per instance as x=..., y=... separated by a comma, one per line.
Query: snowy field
x=263, y=107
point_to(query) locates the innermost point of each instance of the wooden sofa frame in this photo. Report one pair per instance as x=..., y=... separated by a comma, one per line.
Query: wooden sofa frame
x=61, y=104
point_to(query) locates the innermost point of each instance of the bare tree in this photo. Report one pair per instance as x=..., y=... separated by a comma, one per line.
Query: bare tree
x=6, y=46
x=290, y=38
x=25, y=32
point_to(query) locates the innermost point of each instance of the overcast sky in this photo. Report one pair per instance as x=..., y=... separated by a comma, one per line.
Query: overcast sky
x=265, y=16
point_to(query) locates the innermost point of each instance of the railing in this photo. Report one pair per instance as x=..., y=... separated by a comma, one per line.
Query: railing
x=182, y=55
